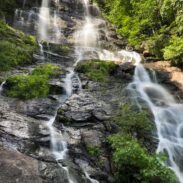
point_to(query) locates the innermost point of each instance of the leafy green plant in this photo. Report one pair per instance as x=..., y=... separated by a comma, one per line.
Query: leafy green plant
x=93, y=151
x=174, y=51
x=49, y=70
x=96, y=70
x=15, y=48
x=135, y=123
x=27, y=87
x=133, y=164
x=142, y=22
x=33, y=85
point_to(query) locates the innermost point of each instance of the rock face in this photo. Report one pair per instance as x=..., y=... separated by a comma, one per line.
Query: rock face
x=171, y=77
x=16, y=167
x=82, y=109
x=86, y=117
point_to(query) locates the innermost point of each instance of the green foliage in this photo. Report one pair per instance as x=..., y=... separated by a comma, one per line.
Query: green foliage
x=134, y=165
x=8, y=6
x=31, y=86
x=15, y=48
x=61, y=49
x=135, y=123
x=62, y=118
x=49, y=70
x=27, y=87
x=93, y=151
x=148, y=22
x=96, y=70
x=174, y=51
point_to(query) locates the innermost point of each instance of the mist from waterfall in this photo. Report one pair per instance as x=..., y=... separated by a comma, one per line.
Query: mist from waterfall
x=168, y=115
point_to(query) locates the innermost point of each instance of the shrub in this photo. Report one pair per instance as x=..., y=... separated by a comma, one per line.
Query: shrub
x=174, y=51
x=49, y=70
x=135, y=123
x=33, y=85
x=96, y=70
x=15, y=48
x=27, y=87
x=93, y=151
x=134, y=165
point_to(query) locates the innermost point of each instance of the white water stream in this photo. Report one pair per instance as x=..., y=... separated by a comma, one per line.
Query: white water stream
x=1, y=87
x=168, y=115
x=44, y=21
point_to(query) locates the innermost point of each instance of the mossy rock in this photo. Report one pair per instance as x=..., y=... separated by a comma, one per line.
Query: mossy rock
x=61, y=49
x=97, y=70
x=16, y=48
x=34, y=85
x=61, y=117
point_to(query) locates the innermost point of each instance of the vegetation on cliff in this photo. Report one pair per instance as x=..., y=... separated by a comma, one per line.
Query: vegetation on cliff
x=133, y=164
x=16, y=48
x=156, y=26
x=97, y=70
x=131, y=160
x=33, y=85
x=7, y=7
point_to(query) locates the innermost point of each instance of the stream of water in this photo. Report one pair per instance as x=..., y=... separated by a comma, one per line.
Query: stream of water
x=167, y=114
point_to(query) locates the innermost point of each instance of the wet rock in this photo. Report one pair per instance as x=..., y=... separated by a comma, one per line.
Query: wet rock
x=58, y=172
x=38, y=108
x=93, y=137
x=16, y=167
x=56, y=87
x=82, y=108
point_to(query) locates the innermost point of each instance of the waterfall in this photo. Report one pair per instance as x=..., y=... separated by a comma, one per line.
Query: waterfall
x=87, y=36
x=168, y=116
x=44, y=20
x=1, y=87
x=24, y=3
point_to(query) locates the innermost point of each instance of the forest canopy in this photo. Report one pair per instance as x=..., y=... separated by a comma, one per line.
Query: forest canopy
x=153, y=25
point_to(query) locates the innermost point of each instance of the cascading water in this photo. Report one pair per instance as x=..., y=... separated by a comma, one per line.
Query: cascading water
x=56, y=29
x=1, y=87
x=167, y=116
x=87, y=36
x=44, y=20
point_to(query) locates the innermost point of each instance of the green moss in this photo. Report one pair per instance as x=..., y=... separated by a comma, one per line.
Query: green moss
x=62, y=118
x=30, y=86
x=58, y=48
x=15, y=48
x=133, y=164
x=93, y=151
x=97, y=70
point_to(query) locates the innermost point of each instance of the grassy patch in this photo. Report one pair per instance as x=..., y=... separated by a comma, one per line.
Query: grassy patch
x=15, y=47
x=30, y=86
x=97, y=70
